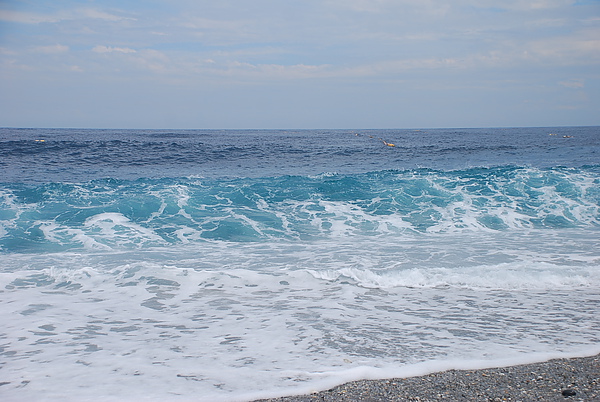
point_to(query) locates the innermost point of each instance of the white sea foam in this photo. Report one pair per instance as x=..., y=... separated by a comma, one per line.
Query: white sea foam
x=234, y=321
x=103, y=231
x=503, y=276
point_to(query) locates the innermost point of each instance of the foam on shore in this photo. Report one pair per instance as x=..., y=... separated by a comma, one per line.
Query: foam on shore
x=555, y=379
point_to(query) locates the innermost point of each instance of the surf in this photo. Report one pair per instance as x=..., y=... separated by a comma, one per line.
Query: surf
x=117, y=214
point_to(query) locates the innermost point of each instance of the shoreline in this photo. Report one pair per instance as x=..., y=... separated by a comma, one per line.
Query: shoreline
x=572, y=379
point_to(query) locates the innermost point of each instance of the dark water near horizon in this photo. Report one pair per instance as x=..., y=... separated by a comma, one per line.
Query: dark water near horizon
x=78, y=155
x=235, y=264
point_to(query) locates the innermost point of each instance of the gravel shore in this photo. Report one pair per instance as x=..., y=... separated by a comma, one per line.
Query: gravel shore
x=568, y=380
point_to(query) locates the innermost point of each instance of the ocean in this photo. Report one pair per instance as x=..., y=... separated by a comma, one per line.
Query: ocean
x=228, y=265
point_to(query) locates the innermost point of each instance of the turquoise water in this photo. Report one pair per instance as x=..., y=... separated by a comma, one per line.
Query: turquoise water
x=125, y=214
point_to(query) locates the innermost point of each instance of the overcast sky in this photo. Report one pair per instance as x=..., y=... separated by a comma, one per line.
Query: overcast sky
x=299, y=63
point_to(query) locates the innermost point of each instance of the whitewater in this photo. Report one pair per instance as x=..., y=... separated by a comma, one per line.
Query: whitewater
x=238, y=264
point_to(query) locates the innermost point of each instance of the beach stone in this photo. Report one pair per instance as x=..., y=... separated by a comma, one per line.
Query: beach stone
x=569, y=392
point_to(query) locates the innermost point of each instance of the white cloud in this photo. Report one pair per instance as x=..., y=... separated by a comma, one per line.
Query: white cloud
x=36, y=18
x=220, y=31
x=110, y=49
x=52, y=49
x=394, y=67
x=579, y=48
x=99, y=15
x=13, y=64
x=6, y=51
x=519, y=5
x=442, y=7
x=278, y=71
x=26, y=18
x=574, y=83
x=153, y=60
x=541, y=4
x=372, y=6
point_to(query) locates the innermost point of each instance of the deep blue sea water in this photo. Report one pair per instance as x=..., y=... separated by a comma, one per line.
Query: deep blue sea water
x=235, y=264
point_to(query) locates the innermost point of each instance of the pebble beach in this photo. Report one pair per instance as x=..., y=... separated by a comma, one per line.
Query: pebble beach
x=576, y=379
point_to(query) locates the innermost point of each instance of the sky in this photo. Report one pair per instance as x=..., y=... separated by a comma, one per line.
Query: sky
x=262, y=64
